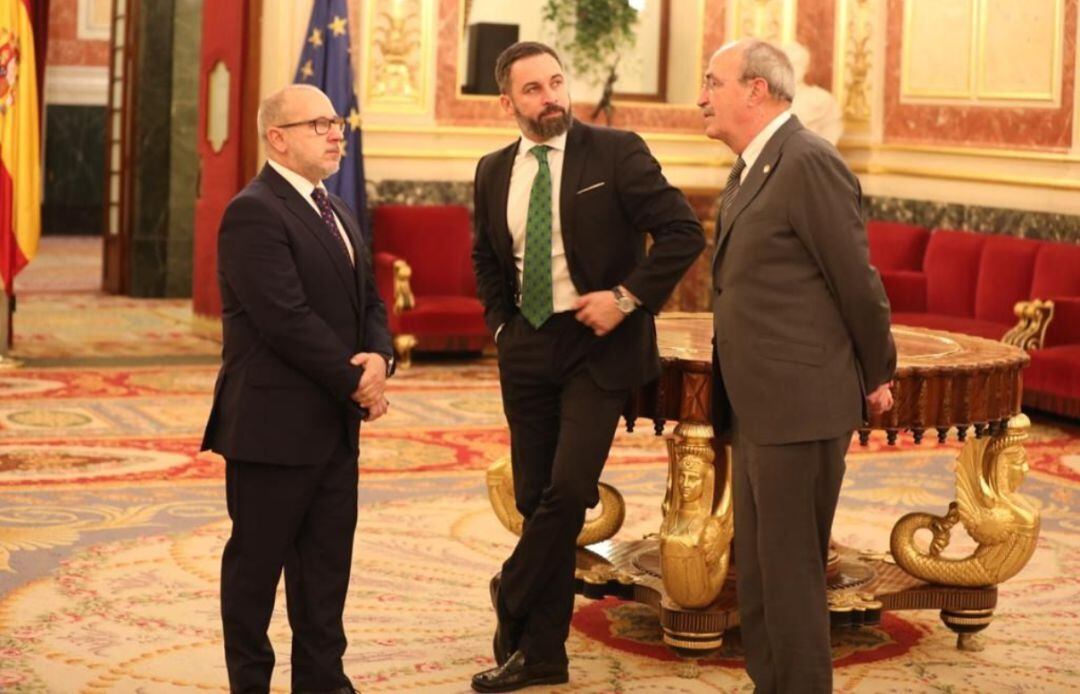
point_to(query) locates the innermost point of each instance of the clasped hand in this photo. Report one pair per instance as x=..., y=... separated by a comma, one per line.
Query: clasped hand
x=370, y=392
x=881, y=400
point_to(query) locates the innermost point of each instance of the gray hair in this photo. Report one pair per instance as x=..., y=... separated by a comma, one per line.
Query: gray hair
x=272, y=109
x=763, y=60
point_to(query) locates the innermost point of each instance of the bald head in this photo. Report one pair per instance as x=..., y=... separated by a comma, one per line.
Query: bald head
x=301, y=131
x=282, y=106
x=762, y=60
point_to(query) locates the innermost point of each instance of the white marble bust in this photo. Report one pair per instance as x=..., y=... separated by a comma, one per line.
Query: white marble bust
x=817, y=108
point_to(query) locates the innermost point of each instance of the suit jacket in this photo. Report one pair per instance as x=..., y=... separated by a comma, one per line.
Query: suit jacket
x=294, y=311
x=603, y=229
x=800, y=316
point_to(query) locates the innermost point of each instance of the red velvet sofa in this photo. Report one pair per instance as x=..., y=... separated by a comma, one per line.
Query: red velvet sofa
x=974, y=283
x=423, y=270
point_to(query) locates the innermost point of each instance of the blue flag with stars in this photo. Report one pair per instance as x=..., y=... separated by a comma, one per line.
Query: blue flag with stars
x=324, y=63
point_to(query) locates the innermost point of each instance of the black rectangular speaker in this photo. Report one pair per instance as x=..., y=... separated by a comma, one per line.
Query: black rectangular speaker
x=486, y=42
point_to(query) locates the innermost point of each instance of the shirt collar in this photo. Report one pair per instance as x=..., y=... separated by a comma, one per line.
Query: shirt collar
x=302, y=185
x=558, y=143
x=753, y=150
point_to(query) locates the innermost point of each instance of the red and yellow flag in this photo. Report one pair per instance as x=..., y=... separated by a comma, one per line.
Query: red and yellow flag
x=20, y=162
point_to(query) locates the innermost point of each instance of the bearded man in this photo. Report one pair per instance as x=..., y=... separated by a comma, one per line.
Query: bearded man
x=569, y=293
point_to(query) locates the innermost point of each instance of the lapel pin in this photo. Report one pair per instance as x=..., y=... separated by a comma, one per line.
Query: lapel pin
x=766, y=170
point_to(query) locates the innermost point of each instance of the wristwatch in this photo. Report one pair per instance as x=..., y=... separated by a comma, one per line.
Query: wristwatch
x=623, y=302
x=391, y=364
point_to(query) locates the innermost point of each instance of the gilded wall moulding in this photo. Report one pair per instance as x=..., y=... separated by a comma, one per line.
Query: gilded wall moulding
x=396, y=72
x=856, y=22
x=770, y=20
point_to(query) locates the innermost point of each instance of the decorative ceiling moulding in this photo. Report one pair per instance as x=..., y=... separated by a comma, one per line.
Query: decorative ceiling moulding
x=452, y=107
x=770, y=20
x=398, y=34
x=853, y=66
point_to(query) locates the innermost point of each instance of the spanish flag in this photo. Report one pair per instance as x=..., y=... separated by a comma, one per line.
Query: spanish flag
x=20, y=163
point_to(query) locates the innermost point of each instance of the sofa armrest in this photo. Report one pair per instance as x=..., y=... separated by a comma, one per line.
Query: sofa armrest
x=1064, y=328
x=906, y=290
x=1034, y=316
x=392, y=275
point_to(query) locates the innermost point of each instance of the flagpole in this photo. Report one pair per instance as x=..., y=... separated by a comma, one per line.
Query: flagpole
x=6, y=362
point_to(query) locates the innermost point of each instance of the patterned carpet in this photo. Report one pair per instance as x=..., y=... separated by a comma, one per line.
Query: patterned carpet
x=112, y=524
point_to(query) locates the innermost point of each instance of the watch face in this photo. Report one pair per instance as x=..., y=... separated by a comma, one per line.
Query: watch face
x=625, y=304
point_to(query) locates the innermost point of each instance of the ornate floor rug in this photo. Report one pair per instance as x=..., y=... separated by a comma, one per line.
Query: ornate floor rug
x=112, y=525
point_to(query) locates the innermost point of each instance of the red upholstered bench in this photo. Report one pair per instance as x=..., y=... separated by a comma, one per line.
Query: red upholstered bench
x=423, y=270
x=980, y=284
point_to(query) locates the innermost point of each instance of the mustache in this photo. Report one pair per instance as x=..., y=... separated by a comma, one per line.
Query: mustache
x=553, y=109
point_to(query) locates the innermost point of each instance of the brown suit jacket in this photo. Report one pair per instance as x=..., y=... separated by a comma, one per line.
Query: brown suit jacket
x=800, y=316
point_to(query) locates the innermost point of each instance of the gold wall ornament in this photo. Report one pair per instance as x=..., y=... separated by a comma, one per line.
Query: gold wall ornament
x=856, y=50
x=500, y=482
x=1002, y=522
x=695, y=535
x=1030, y=332
x=769, y=20
x=399, y=34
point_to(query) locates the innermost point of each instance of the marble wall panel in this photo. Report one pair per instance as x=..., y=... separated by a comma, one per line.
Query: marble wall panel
x=1013, y=127
x=991, y=220
x=65, y=47
x=815, y=28
x=165, y=163
x=74, y=166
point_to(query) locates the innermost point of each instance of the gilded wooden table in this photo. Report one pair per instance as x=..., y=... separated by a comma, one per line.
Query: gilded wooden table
x=945, y=384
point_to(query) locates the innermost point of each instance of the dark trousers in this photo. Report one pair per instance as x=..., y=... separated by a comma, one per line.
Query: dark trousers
x=785, y=498
x=301, y=519
x=561, y=427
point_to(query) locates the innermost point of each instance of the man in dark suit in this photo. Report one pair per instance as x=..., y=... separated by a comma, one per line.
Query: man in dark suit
x=305, y=359
x=569, y=293
x=802, y=349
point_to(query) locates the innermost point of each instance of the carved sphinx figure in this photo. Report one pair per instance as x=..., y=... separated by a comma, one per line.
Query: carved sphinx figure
x=1003, y=522
x=694, y=538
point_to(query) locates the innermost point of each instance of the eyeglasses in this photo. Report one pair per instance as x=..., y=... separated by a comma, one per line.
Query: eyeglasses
x=321, y=125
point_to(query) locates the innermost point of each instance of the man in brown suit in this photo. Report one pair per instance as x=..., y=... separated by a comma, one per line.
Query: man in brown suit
x=802, y=351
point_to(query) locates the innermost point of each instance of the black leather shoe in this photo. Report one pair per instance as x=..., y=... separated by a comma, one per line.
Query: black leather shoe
x=516, y=674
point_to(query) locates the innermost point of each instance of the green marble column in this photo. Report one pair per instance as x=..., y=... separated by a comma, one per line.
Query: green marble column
x=165, y=163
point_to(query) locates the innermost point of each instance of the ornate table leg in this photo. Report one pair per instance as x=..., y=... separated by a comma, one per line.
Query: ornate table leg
x=695, y=535
x=1002, y=522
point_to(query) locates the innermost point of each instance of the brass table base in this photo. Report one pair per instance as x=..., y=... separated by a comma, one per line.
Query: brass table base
x=861, y=587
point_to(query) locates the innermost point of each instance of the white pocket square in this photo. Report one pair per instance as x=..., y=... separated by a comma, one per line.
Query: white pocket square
x=592, y=187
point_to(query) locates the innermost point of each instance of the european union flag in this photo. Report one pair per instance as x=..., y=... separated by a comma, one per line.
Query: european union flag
x=324, y=63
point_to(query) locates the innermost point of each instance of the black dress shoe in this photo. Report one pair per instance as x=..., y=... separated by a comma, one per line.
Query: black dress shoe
x=516, y=674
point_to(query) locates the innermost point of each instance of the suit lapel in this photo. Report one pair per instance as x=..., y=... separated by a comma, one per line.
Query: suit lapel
x=572, y=168
x=502, y=170
x=755, y=180
x=307, y=215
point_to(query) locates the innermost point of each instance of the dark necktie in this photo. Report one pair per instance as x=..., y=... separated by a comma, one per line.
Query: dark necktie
x=327, y=214
x=536, y=293
x=731, y=189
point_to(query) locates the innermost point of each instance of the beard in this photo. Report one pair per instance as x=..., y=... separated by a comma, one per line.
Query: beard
x=543, y=128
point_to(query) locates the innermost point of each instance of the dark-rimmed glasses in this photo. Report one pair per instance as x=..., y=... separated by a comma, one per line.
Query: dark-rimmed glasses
x=321, y=124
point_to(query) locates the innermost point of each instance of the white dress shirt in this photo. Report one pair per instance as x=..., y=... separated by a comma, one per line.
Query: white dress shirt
x=305, y=188
x=753, y=150
x=563, y=293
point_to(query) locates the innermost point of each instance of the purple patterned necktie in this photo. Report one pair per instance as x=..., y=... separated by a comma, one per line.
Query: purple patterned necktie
x=327, y=214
